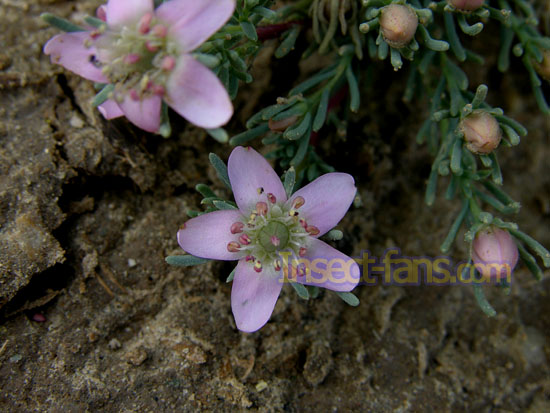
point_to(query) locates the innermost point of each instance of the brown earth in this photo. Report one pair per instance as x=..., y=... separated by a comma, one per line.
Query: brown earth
x=89, y=209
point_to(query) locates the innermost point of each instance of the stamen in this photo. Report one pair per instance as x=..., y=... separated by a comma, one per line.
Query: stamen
x=302, y=252
x=303, y=223
x=313, y=230
x=298, y=202
x=168, y=63
x=275, y=241
x=132, y=58
x=160, y=31
x=95, y=34
x=244, y=239
x=261, y=208
x=260, y=190
x=134, y=95
x=249, y=258
x=258, y=266
x=237, y=227
x=144, y=24
x=101, y=13
x=252, y=219
x=277, y=265
x=271, y=198
x=233, y=246
x=159, y=90
x=152, y=47
x=293, y=213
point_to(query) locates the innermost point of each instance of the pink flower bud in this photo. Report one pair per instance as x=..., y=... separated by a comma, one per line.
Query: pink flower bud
x=543, y=68
x=466, y=5
x=494, y=253
x=398, y=24
x=481, y=132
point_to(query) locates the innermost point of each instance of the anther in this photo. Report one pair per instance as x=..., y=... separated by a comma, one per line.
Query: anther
x=95, y=34
x=258, y=266
x=160, y=31
x=168, y=63
x=303, y=223
x=237, y=227
x=271, y=198
x=293, y=213
x=134, y=95
x=249, y=258
x=251, y=219
x=152, y=47
x=159, y=90
x=260, y=191
x=313, y=230
x=233, y=246
x=277, y=265
x=302, y=252
x=101, y=13
x=244, y=239
x=145, y=23
x=275, y=240
x=298, y=202
x=132, y=58
x=261, y=208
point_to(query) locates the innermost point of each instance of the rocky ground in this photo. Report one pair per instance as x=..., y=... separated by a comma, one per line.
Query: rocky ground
x=93, y=319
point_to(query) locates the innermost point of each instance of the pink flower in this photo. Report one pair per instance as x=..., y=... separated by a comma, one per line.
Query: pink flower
x=145, y=53
x=494, y=253
x=273, y=237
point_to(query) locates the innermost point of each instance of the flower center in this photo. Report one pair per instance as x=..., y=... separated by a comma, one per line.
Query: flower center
x=137, y=59
x=274, y=236
x=270, y=228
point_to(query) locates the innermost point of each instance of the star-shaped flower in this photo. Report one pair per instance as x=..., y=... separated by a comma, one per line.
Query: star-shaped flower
x=145, y=53
x=275, y=239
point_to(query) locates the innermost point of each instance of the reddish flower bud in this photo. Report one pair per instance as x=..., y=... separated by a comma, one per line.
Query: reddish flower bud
x=398, y=24
x=466, y=5
x=494, y=252
x=481, y=132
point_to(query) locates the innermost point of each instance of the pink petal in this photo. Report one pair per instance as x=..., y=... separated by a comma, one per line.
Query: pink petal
x=207, y=235
x=248, y=171
x=328, y=198
x=69, y=51
x=197, y=94
x=110, y=109
x=144, y=113
x=194, y=21
x=329, y=268
x=126, y=12
x=253, y=296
